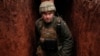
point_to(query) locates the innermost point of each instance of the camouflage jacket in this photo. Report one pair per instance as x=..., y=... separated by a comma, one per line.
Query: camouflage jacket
x=63, y=33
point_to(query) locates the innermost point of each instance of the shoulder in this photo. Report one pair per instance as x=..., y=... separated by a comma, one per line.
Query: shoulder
x=38, y=22
x=60, y=20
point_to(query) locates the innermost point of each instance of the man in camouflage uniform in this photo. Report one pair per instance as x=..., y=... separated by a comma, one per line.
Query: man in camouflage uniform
x=53, y=36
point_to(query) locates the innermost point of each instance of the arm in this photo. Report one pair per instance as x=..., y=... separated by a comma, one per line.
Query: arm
x=65, y=40
x=39, y=51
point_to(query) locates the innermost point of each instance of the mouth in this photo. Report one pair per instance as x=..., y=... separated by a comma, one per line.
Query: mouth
x=47, y=20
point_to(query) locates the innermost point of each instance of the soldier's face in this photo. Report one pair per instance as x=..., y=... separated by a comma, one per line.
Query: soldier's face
x=48, y=16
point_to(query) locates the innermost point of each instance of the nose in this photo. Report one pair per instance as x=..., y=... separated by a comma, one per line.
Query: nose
x=47, y=15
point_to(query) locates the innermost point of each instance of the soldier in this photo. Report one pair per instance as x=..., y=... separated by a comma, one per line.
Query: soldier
x=53, y=37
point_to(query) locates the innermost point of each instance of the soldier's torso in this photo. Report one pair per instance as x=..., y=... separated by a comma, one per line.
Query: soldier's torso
x=48, y=35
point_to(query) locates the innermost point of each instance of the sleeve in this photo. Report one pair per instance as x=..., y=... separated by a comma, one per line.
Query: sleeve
x=66, y=40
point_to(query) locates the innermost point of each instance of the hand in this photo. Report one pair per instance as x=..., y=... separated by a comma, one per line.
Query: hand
x=42, y=40
x=40, y=52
